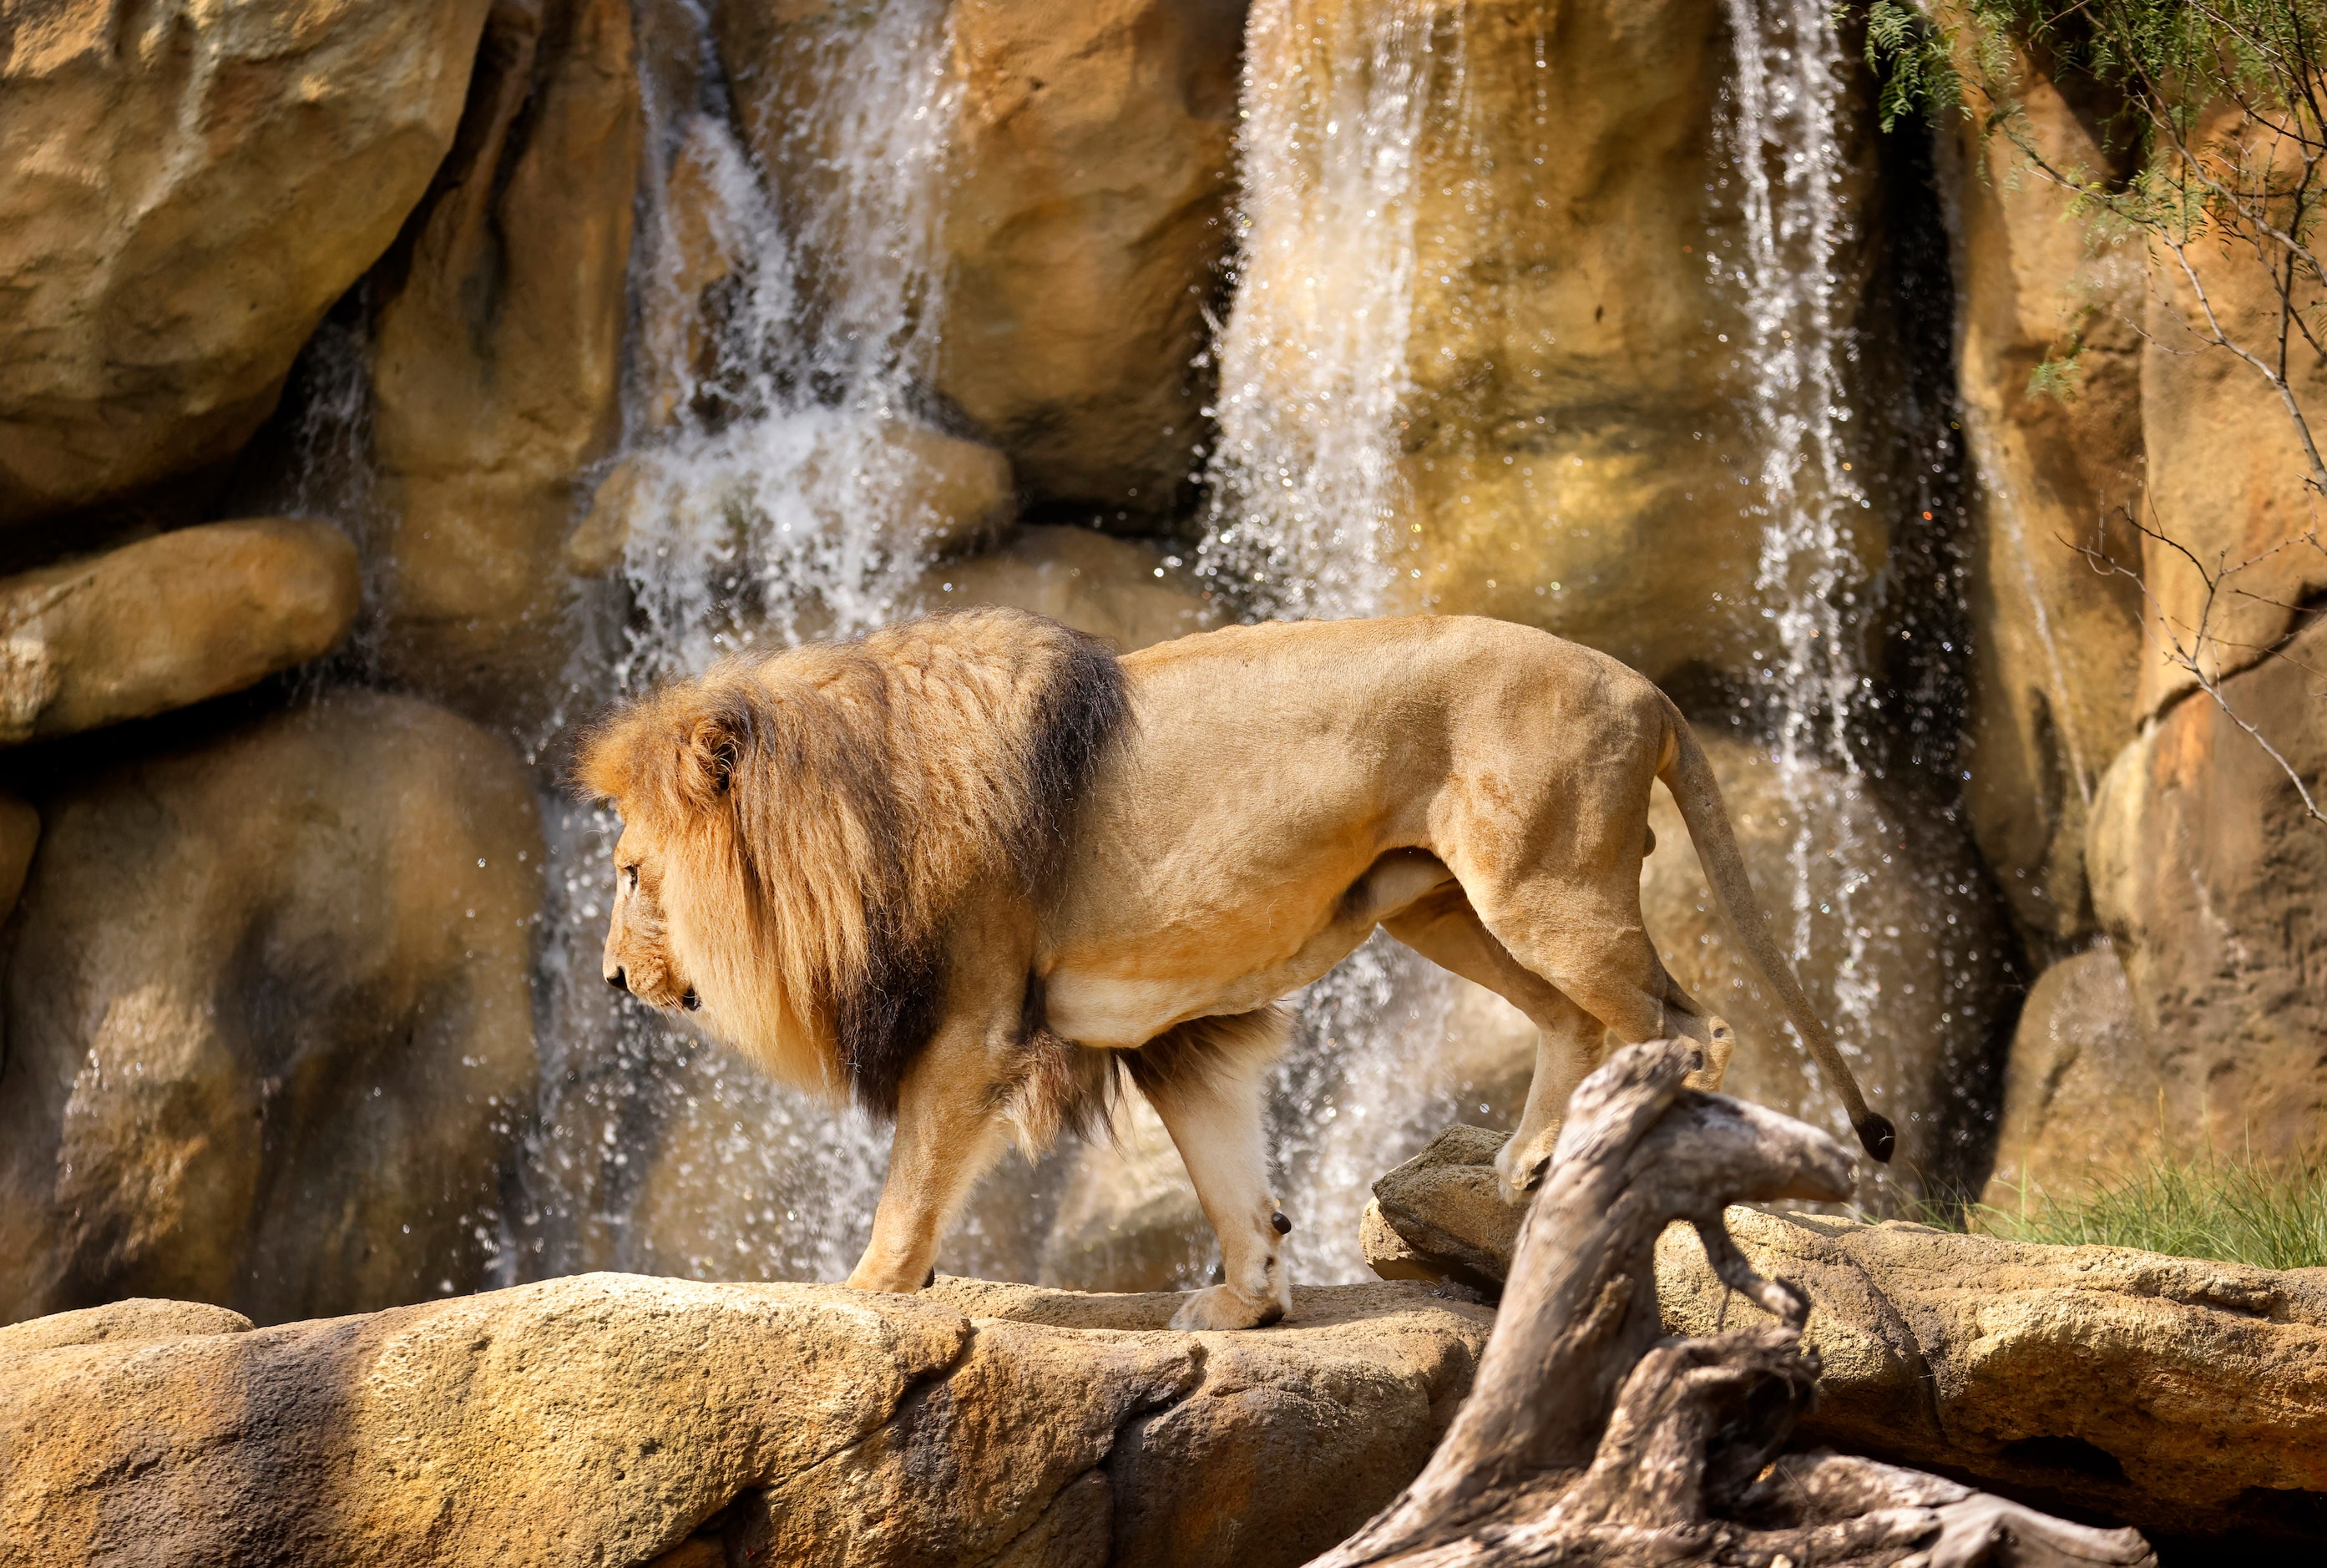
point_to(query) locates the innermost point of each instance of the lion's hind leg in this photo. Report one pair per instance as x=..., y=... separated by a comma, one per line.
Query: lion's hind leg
x=1207, y=1080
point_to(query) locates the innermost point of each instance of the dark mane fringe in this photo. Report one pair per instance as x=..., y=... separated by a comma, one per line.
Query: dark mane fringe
x=1078, y=707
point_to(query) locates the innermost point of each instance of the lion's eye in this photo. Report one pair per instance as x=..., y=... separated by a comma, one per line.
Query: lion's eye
x=630, y=877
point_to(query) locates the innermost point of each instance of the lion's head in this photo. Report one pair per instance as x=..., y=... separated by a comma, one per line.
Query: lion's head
x=798, y=829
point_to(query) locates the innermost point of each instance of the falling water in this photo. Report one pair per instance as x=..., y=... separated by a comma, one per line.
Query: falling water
x=767, y=489
x=1304, y=493
x=1784, y=141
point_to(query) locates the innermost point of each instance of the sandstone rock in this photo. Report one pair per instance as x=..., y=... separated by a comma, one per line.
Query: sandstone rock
x=2206, y=875
x=1570, y=446
x=170, y=621
x=268, y=1026
x=1080, y=223
x=1085, y=233
x=1132, y=593
x=2056, y=646
x=1447, y=1219
x=1904, y=965
x=974, y=1424
x=138, y=1318
x=497, y=350
x=951, y=494
x=2181, y=1396
x=20, y=836
x=2084, y=1089
x=2228, y=477
x=188, y=188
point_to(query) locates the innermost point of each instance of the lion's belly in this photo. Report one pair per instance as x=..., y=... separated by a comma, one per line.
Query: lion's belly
x=1121, y=995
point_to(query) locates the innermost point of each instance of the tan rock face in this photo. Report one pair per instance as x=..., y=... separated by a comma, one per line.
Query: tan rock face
x=2206, y=875
x=1085, y=231
x=268, y=1020
x=1440, y=1217
x=2085, y=1088
x=2177, y=1396
x=497, y=350
x=1908, y=980
x=1130, y=592
x=974, y=1424
x=2056, y=647
x=188, y=188
x=2228, y=477
x=168, y=621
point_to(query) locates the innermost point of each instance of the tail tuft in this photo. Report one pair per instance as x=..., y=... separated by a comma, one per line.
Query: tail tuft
x=1879, y=1136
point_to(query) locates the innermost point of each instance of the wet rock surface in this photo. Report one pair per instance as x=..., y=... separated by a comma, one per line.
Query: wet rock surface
x=974, y=1424
x=268, y=1024
x=168, y=621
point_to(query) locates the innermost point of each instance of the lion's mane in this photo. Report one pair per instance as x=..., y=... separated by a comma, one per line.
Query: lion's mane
x=825, y=811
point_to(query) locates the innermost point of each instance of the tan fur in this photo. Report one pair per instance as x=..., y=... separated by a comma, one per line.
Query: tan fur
x=1477, y=789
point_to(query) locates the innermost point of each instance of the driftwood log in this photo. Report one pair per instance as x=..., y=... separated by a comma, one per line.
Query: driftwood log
x=1591, y=1440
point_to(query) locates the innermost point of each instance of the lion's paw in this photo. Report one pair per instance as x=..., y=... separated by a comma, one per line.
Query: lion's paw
x=1222, y=1307
x=1517, y=1176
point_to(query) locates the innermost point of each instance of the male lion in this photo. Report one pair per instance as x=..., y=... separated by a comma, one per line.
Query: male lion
x=963, y=866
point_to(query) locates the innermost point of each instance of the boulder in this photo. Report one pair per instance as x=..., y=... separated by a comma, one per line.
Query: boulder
x=2206, y=872
x=1439, y=1215
x=1132, y=593
x=170, y=621
x=497, y=352
x=2181, y=1396
x=1084, y=235
x=1076, y=232
x=2084, y=1089
x=186, y=191
x=2055, y=645
x=974, y=1424
x=1904, y=957
x=268, y=1018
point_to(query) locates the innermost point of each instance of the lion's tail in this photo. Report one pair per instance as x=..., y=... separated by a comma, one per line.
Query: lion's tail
x=1689, y=776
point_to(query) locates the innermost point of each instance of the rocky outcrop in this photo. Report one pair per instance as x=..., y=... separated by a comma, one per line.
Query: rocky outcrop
x=497, y=351
x=1085, y=234
x=974, y=1424
x=168, y=621
x=2184, y=1396
x=268, y=1025
x=1439, y=1215
x=2056, y=645
x=187, y=188
x=2206, y=874
x=1904, y=961
x=2084, y=1088
x=2178, y=1395
x=1131, y=593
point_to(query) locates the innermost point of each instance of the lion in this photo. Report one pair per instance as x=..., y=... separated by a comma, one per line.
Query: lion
x=974, y=868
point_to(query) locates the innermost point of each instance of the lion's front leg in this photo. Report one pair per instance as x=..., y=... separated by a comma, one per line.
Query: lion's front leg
x=1213, y=1110
x=947, y=1135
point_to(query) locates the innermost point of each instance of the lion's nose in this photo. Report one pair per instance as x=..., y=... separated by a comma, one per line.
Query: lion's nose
x=617, y=979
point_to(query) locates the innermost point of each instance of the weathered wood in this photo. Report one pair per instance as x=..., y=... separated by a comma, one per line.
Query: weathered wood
x=1589, y=1440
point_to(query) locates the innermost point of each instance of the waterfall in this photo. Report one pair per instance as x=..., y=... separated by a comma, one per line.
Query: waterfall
x=766, y=489
x=1784, y=144
x=1304, y=497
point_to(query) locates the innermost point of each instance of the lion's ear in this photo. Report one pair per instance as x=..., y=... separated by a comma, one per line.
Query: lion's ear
x=707, y=755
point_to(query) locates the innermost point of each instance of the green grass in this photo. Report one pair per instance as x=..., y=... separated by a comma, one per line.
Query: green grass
x=2242, y=1211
